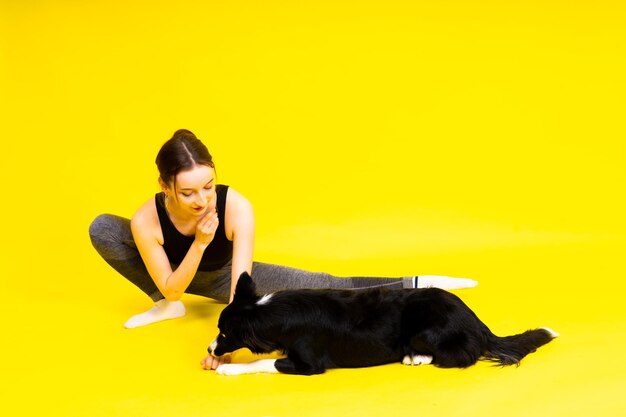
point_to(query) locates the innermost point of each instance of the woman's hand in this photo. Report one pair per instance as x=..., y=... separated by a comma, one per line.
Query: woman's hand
x=205, y=230
x=211, y=362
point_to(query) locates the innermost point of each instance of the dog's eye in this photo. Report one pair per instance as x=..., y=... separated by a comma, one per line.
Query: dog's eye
x=223, y=335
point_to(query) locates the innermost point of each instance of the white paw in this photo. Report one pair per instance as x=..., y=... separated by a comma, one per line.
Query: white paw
x=415, y=360
x=260, y=366
x=230, y=369
x=552, y=332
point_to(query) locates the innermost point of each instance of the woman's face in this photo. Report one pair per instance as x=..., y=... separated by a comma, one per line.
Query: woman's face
x=195, y=191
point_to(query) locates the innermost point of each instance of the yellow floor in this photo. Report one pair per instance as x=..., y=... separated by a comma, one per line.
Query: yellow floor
x=68, y=355
x=374, y=138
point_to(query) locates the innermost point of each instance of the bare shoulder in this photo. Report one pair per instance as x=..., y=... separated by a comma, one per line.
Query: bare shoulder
x=237, y=203
x=145, y=221
x=239, y=213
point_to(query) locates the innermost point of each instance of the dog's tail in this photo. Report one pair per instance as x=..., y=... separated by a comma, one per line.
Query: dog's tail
x=510, y=350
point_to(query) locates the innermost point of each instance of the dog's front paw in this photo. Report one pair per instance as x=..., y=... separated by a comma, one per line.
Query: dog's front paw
x=230, y=369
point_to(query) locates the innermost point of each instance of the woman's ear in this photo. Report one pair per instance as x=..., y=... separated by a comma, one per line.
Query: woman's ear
x=164, y=187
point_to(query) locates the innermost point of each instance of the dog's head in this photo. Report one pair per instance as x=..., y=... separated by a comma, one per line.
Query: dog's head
x=239, y=322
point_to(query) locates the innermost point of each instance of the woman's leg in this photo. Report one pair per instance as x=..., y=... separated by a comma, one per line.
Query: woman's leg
x=212, y=284
x=270, y=278
x=112, y=238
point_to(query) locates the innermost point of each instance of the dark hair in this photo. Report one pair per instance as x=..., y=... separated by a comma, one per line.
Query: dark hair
x=180, y=153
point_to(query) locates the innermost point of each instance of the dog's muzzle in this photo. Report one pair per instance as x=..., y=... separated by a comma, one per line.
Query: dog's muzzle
x=212, y=347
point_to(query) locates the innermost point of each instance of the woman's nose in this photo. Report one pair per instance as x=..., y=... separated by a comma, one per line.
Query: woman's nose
x=203, y=198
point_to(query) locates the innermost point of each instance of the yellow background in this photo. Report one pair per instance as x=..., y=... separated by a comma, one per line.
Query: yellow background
x=477, y=138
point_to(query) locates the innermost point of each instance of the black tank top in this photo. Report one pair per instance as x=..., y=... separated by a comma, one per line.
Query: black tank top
x=176, y=244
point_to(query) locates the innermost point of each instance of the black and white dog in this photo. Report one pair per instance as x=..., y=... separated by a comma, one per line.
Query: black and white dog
x=321, y=329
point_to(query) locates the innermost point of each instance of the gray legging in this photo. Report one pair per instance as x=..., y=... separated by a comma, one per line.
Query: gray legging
x=112, y=238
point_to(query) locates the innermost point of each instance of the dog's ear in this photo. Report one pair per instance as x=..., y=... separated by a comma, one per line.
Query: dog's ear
x=245, y=290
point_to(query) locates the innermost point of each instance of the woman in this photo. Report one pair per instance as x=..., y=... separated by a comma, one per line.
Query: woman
x=197, y=237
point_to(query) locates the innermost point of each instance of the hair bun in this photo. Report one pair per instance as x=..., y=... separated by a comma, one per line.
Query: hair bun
x=184, y=132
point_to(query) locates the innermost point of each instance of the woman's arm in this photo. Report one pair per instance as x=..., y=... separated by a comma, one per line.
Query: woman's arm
x=240, y=227
x=172, y=284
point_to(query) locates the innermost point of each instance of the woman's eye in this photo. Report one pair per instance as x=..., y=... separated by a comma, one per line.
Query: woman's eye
x=186, y=195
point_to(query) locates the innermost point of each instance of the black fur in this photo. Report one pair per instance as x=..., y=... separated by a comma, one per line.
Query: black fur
x=321, y=329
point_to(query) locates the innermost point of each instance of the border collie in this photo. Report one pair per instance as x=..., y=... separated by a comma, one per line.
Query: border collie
x=321, y=329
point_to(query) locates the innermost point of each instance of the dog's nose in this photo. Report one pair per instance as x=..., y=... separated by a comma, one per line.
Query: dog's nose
x=212, y=346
